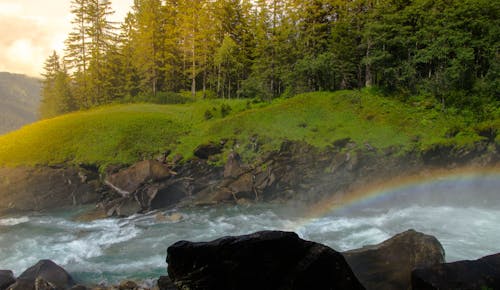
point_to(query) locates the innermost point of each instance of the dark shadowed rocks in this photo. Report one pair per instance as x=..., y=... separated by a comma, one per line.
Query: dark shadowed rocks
x=165, y=283
x=389, y=264
x=6, y=279
x=204, y=151
x=480, y=274
x=44, y=275
x=263, y=260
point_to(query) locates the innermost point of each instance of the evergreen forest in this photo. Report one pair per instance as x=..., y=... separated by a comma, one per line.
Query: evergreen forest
x=440, y=53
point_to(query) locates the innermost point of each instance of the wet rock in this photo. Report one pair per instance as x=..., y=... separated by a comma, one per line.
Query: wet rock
x=165, y=283
x=43, y=275
x=128, y=285
x=162, y=195
x=206, y=150
x=128, y=207
x=130, y=179
x=173, y=217
x=6, y=279
x=91, y=215
x=389, y=264
x=480, y=274
x=263, y=260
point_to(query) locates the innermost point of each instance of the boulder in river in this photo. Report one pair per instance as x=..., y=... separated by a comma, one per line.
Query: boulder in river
x=6, y=279
x=263, y=260
x=389, y=264
x=480, y=274
x=43, y=275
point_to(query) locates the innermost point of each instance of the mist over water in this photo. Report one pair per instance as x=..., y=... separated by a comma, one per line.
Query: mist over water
x=463, y=214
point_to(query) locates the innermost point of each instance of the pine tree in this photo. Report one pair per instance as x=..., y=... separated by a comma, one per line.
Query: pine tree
x=78, y=52
x=148, y=42
x=56, y=94
x=101, y=33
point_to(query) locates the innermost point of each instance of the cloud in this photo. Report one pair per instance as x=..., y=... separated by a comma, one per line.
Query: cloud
x=31, y=30
x=25, y=43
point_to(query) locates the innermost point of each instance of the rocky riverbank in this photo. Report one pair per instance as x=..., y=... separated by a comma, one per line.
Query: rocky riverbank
x=297, y=172
x=282, y=260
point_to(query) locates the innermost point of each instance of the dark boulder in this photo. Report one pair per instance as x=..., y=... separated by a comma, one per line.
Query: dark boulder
x=128, y=180
x=44, y=275
x=389, y=264
x=263, y=260
x=480, y=274
x=6, y=279
x=206, y=150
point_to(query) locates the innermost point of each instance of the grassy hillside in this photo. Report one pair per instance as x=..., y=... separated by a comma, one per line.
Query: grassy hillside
x=126, y=133
x=19, y=99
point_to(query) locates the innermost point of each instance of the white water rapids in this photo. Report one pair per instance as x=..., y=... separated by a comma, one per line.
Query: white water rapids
x=463, y=215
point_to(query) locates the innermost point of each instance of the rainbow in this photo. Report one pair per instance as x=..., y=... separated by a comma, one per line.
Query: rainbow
x=386, y=190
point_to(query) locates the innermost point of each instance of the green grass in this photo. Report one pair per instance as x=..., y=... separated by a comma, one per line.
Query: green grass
x=127, y=133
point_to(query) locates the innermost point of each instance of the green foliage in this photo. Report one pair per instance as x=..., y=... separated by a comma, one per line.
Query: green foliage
x=225, y=109
x=267, y=49
x=56, y=92
x=208, y=115
x=161, y=98
x=127, y=133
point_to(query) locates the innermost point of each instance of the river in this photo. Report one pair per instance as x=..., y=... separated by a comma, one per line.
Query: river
x=463, y=214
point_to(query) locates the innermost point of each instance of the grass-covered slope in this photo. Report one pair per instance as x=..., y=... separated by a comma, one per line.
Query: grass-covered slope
x=127, y=133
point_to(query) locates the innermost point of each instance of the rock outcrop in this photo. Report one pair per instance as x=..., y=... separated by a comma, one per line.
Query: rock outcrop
x=128, y=180
x=263, y=260
x=42, y=188
x=43, y=275
x=389, y=264
x=480, y=274
x=6, y=279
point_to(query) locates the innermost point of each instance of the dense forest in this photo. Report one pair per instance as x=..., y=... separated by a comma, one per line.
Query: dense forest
x=442, y=52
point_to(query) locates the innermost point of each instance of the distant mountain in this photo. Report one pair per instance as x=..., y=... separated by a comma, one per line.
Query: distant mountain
x=19, y=101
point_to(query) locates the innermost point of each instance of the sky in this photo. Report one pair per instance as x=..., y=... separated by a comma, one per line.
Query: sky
x=31, y=29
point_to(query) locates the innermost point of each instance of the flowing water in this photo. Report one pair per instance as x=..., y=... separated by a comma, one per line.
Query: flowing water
x=463, y=214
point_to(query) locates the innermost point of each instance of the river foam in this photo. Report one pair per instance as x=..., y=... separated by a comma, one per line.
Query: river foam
x=110, y=250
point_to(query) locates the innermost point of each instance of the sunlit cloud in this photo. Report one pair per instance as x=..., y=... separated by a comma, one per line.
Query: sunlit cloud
x=10, y=8
x=31, y=30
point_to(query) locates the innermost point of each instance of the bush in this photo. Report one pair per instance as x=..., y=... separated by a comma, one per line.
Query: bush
x=225, y=110
x=161, y=98
x=208, y=115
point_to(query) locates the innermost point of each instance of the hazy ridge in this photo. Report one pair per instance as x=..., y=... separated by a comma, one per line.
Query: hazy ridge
x=19, y=100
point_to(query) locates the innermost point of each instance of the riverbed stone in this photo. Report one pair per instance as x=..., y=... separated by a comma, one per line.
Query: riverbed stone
x=388, y=265
x=483, y=273
x=262, y=260
x=6, y=279
x=44, y=275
